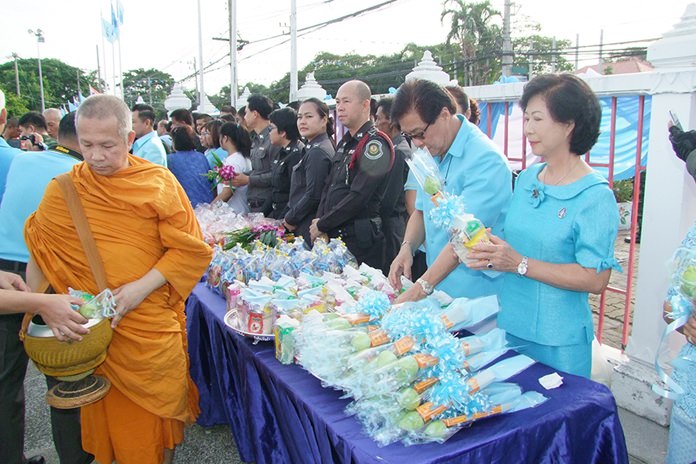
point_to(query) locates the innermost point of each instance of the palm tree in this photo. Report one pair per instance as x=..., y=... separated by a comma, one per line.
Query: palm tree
x=472, y=29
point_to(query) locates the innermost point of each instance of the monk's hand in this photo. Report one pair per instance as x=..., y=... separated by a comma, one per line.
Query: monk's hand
x=64, y=321
x=10, y=281
x=129, y=296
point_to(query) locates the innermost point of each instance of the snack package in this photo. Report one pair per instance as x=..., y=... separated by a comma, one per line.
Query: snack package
x=101, y=306
x=285, y=339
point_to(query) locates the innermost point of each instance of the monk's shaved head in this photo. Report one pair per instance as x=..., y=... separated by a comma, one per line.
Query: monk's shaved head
x=105, y=107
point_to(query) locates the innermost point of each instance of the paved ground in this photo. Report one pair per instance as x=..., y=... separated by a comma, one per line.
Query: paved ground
x=647, y=441
x=615, y=302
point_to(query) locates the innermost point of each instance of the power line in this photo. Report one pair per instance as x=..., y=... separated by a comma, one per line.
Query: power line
x=306, y=30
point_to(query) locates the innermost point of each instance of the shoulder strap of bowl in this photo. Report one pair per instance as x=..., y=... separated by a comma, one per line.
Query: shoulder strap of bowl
x=72, y=200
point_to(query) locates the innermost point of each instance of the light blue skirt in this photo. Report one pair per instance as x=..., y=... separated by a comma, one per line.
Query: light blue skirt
x=574, y=359
x=682, y=438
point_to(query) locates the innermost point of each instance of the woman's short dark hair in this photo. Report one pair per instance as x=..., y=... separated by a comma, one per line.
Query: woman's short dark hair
x=569, y=99
x=213, y=128
x=425, y=97
x=324, y=112
x=475, y=116
x=460, y=97
x=239, y=137
x=285, y=119
x=182, y=138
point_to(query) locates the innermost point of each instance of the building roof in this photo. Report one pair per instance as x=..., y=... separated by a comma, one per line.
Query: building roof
x=627, y=66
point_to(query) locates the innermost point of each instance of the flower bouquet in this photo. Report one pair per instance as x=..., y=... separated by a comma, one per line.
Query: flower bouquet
x=449, y=213
x=221, y=173
x=266, y=233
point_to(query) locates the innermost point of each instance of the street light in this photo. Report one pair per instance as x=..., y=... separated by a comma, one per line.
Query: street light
x=39, y=39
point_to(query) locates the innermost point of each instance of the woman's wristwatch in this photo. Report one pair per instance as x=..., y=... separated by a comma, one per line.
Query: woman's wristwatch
x=523, y=266
x=425, y=285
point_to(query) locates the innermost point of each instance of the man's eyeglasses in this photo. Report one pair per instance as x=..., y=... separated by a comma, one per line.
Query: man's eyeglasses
x=419, y=136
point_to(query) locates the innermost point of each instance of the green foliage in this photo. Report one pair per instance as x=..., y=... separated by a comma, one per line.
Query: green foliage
x=623, y=190
x=16, y=106
x=474, y=28
x=151, y=84
x=59, y=80
x=536, y=53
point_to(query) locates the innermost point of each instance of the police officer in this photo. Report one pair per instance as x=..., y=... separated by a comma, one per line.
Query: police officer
x=393, y=208
x=309, y=175
x=263, y=153
x=350, y=202
x=284, y=134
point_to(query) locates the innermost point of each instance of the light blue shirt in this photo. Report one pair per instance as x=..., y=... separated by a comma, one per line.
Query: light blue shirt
x=219, y=152
x=150, y=147
x=27, y=179
x=474, y=169
x=574, y=223
x=7, y=154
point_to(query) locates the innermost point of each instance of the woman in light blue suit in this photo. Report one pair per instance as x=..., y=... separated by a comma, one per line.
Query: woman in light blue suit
x=560, y=230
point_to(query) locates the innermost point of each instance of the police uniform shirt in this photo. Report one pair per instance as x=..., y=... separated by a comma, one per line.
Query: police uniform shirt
x=281, y=172
x=393, y=201
x=308, y=179
x=353, y=191
x=262, y=155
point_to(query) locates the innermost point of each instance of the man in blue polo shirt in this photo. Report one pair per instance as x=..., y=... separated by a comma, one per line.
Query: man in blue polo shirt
x=471, y=166
x=27, y=178
x=7, y=153
x=147, y=143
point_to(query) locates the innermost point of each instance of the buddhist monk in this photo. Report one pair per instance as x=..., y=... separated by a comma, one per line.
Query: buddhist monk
x=150, y=243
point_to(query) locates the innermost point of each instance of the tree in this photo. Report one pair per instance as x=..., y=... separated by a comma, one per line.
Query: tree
x=538, y=55
x=60, y=82
x=151, y=84
x=479, y=39
x=15, y=106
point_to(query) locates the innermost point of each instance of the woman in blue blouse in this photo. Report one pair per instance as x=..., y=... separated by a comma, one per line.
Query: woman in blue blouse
x=190, y=166
x=560, y=230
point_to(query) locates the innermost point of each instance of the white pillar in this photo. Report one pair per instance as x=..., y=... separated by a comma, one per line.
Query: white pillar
x=293, y=50
x=201, y=88
x=669, y=209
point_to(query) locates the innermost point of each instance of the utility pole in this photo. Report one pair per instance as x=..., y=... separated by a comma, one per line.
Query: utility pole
x=39, y=40
x=79, y=89
x=232, y=5
x=601, y=47
x=553, y=55
x=98, y=69
x=507, y=41
x=15, y=56
x=577, y=50
x=293, y=50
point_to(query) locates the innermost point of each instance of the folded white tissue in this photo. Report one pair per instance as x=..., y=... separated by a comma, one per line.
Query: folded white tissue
x=551, y=381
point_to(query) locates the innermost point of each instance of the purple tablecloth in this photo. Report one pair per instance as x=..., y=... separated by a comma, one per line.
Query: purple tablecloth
x=282, y=414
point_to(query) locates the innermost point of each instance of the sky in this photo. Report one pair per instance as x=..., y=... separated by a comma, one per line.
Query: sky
x=164, y=35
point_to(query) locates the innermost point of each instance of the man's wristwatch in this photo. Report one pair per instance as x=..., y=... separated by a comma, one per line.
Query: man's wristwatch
x=427, y=288
x=523, y=266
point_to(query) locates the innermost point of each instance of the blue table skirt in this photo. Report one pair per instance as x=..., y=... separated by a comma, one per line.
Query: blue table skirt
x=281, y=414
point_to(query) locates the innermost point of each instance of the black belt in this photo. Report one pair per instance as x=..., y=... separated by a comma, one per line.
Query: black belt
x=256, y=203
x=347, y=230
x=12, y=266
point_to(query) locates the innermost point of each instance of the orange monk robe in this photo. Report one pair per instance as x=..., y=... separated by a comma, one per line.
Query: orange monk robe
x=141, y=219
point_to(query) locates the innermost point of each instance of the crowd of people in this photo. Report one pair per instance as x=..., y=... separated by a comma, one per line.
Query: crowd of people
x=551, y=233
